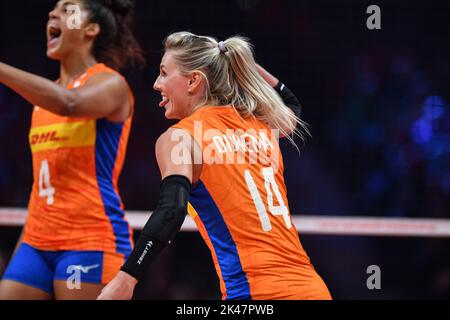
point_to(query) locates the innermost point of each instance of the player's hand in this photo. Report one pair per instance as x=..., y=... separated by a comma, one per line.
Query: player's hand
x=266, y=75
x=120, y=288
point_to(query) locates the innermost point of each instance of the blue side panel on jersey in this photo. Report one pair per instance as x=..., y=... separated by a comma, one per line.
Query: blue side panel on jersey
x=236, y=282
x=106, y=147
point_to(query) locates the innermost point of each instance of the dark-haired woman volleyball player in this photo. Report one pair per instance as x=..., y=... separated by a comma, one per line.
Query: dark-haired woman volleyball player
x=76, y=236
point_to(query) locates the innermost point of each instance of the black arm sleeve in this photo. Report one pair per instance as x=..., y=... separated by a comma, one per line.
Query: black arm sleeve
x=163, y=225
x=289, y=98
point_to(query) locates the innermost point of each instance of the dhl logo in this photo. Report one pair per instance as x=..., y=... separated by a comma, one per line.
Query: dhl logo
x=63, y=135
x=45, y=137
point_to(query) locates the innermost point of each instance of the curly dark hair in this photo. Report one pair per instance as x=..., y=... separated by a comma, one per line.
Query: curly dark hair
x=116, y=45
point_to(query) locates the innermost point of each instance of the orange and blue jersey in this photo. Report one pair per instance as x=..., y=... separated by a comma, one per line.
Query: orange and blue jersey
x=241, y=209
x=74, y=202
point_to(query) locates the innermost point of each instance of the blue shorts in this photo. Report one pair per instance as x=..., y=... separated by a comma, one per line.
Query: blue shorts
x=38, y=268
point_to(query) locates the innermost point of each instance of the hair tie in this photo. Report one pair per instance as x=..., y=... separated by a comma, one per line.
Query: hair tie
x=222, y=47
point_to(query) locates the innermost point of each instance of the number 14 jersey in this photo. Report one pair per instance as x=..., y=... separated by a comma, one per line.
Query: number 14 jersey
x=240, y=207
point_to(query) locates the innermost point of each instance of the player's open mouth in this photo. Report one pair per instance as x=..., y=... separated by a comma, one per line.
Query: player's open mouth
x=53, y=35
x=164, y=101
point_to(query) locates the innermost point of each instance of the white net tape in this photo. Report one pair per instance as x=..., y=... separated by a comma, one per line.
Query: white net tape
x=332, y=225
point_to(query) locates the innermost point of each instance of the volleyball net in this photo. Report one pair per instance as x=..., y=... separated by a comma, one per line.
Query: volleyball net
x=306, y=224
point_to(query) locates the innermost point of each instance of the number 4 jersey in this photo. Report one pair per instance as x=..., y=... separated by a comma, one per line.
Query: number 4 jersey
x=240, y=207
x=74, y=203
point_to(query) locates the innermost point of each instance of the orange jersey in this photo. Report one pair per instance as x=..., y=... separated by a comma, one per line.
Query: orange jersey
x=75, y=203
x=241, y=210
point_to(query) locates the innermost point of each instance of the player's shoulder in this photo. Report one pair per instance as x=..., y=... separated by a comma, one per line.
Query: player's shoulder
x=112, y=78
x=204, y=117
x=101, y=73
x=173, y=136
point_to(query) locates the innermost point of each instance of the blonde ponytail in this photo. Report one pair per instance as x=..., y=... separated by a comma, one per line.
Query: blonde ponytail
x=232, y=79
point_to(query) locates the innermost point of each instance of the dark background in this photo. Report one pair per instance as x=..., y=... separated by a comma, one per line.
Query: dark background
x=377, y=102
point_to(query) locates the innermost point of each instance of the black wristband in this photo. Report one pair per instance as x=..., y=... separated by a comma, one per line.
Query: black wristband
x=279, y=87
x=289, y=98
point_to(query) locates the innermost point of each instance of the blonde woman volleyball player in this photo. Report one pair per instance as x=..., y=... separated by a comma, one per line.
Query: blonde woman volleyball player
x=239, y=204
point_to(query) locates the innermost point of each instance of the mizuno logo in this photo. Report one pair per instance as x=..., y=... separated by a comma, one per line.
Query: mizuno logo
x=85, y=269
x=74, y=280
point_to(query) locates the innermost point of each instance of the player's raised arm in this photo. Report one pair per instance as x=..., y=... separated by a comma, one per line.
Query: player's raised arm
x=104, y=95
x=289, y=98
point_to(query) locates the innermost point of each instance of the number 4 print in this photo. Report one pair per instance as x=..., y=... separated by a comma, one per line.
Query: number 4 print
x=270, y=184
x=45, y=187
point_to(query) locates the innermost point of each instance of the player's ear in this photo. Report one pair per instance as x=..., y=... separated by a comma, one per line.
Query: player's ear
x=92, y=30
x=194, y=81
